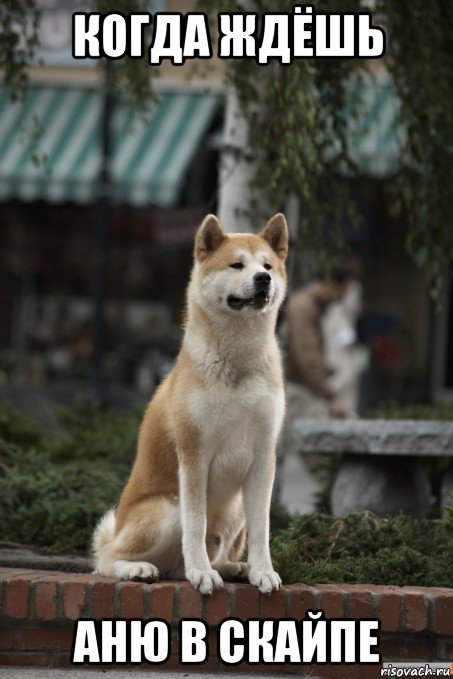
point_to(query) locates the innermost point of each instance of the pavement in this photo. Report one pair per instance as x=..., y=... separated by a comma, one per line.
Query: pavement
x=70, y=673
x=14, y=555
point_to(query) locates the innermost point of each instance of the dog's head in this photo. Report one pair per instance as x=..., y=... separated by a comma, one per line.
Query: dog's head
x=240, y=273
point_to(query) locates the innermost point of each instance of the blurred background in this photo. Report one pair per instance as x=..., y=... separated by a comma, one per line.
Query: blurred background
x=106, y=170
x=98, y=208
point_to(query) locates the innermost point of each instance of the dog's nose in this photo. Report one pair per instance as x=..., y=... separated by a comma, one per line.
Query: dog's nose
x=262, y=279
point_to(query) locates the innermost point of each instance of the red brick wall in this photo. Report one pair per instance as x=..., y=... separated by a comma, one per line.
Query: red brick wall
x=38, y=609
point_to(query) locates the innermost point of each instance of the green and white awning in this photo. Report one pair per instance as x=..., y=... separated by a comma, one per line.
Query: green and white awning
x=50, y=145
x=375, y=137
x=50, y=142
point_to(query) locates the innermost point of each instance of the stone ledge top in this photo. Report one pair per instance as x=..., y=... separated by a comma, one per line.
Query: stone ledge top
x=374, y=437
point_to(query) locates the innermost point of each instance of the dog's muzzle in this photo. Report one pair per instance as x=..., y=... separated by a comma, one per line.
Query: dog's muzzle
x=260, y=298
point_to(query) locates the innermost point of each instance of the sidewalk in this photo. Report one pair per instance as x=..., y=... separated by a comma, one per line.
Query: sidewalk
x=88, y=673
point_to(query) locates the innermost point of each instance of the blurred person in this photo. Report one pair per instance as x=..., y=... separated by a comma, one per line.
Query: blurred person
x=309, y=391
x=346, y=359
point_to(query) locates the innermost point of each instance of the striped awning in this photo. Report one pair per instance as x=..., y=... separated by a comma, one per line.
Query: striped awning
x=50, y=145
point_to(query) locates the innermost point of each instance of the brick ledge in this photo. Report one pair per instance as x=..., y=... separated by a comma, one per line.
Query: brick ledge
x=38, y=609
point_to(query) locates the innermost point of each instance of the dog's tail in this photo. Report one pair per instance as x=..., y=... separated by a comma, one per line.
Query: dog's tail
x=102, y=542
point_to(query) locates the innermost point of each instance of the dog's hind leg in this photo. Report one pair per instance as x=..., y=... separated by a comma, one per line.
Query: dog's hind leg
x=238, y=545
x=135, y=570
x=146, y=542
x=232, y=568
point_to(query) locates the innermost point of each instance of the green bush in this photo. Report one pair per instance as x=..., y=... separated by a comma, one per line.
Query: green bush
x=54, y=489
x=391, y=410
x=15, y=427
x=92, y=433
x=54, y=506
x=361, y=547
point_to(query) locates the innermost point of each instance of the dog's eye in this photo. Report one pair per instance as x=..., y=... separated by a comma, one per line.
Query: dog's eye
x=237, y=265
x=268, y=267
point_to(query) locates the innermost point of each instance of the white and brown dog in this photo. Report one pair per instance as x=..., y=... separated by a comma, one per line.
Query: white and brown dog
x=206, y=452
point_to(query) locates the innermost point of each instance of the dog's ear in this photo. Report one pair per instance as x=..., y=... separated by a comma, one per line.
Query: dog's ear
x=208, y=238
x=276, y=234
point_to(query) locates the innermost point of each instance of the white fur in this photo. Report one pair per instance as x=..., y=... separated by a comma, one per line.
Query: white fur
x=135, y=570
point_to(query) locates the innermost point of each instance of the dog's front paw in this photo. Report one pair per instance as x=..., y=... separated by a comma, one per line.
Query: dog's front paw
x=266, y=580
x=204, y=580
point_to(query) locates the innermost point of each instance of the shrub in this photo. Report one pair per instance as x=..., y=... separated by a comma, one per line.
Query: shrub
x=391, y=410
x=54, y=506
x=95, y=434
x=53, y=490
x=17, y=428
x=361, y=547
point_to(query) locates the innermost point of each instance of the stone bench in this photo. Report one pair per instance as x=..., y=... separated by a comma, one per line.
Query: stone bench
x=380, y=469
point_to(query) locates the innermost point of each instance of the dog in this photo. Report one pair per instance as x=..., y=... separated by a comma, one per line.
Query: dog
x=205, y=463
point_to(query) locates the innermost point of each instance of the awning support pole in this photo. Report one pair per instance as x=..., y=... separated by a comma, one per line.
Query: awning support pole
x=102, y=218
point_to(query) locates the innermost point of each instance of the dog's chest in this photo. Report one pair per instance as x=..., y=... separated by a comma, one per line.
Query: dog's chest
x=233, y=424
x=224, y=413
